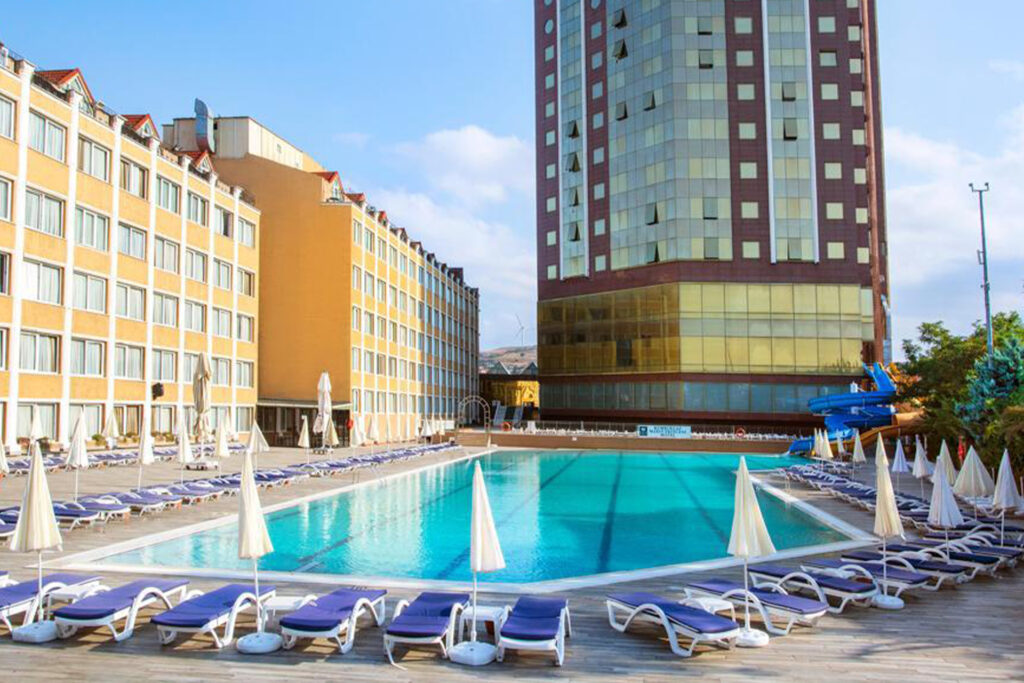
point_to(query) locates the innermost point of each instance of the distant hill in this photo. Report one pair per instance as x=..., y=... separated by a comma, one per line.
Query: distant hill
x=514, y=357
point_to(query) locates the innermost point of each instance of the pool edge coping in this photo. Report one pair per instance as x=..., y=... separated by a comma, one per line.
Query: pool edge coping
x=91, y=560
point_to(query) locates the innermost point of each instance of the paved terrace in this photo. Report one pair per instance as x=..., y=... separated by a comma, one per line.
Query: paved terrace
x=973, y=633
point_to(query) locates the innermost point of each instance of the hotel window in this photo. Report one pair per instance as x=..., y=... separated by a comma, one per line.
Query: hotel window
x=163, y=419
x=223, y=222
x=789, y=129
x=195, y=265
x=131, y=241
x=5, y=199
x=191, y=361
x=246, y=282
x=829, y=91
x=382, y=290
x=826, y=24
x=128, y=361
x=827, y=58
x=834, y=211
x=198, y=209
x=744, y=25
x=833, y=170
x=221, y=274
x=243, y=419
x=195, y=316
x=165, y=309
x=853, y=34
x=357, y=278
x=221, y=375
x=368, y=323
x=89, y=293
x=41, y=282
x=39, y=352
x=165, y=365
x=93, y=159
x=246, y=233
x=46, y=136
x=836, y=250
x=6, y=118
x=246, y=327
x=91, y=415
x=91, y=229
x=744, y=58
x=243, y=374
x=748, y=131
x=87, y=359
x=168, y=195
x=749, y=210
x=130, y=302
x=221, y=322
x=134, y=178
x=830, y=131
x=44, y=213
x=368, y=234
x=3, y=348
x=46, y=414
x=165, y=255
x=368, y=284
x=748, y=170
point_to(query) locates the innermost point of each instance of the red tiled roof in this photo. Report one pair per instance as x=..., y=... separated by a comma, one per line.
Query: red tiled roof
x=60, y=77
x=329, y=176
x=357, y=197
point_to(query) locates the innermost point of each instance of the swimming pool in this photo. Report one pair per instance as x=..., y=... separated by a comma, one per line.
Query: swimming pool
x=558, y=513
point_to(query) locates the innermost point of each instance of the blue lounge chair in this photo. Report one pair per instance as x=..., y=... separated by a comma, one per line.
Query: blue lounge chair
x=7, y=530
x=430, y=619
x=987, y=564
x=107, y=608
x=537, y=624
x=332, y=615
x=107, y=510
x=940, y=571
x=207, y=612
x=822, y=586
x=771, y=603
x=25, y=597
x=893, y=580
x=692, y=623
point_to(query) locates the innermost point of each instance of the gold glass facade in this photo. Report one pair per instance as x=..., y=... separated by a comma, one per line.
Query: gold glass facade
x=708, y=327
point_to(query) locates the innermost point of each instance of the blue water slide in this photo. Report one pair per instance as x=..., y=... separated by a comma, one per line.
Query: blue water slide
x=856, y=410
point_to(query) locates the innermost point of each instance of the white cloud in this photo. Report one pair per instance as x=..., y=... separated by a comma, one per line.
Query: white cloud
x=1011, y=67
x=934, y=232
x=472, y=205
x=352, y=139
x=473, y=165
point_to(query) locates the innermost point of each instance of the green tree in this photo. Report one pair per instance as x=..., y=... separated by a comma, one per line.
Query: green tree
x=954, y=386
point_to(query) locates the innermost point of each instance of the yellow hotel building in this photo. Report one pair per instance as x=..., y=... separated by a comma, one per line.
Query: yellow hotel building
x=345, y=290
x=120, y=263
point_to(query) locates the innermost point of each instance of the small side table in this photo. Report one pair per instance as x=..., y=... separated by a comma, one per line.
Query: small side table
x=71, y=594
x=279, y=604
x=484, y=615
x=712, y=605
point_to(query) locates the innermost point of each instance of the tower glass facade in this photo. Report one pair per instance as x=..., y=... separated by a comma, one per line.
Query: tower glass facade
x=711, y=232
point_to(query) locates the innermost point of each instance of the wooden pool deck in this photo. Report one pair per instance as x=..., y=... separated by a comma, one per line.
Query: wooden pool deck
x=972, y=633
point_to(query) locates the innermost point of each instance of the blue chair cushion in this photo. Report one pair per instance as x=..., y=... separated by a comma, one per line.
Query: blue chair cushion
x=26, y=590
x=328, y=611
x=110, y=602
x=206, y=607
x=789, y=603
x=830, y=582
x=696, y=620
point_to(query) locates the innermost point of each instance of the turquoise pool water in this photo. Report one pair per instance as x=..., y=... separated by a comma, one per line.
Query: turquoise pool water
x=558, y=514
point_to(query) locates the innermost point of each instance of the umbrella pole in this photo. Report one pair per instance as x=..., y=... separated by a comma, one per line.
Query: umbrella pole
x=885, y=569
x=256, y=583
x=472, y=634
x=140, y=473
x=746, y=595
x=39, y=594
x=76, y=486
x=1002, y=526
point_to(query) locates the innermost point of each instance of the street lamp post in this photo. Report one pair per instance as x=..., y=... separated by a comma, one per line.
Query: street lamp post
x=983, y=254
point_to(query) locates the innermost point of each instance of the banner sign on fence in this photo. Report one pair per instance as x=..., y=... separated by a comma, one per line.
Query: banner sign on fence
x=664, y=431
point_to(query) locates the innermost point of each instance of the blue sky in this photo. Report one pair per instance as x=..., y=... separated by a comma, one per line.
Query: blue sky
x=428, y=108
